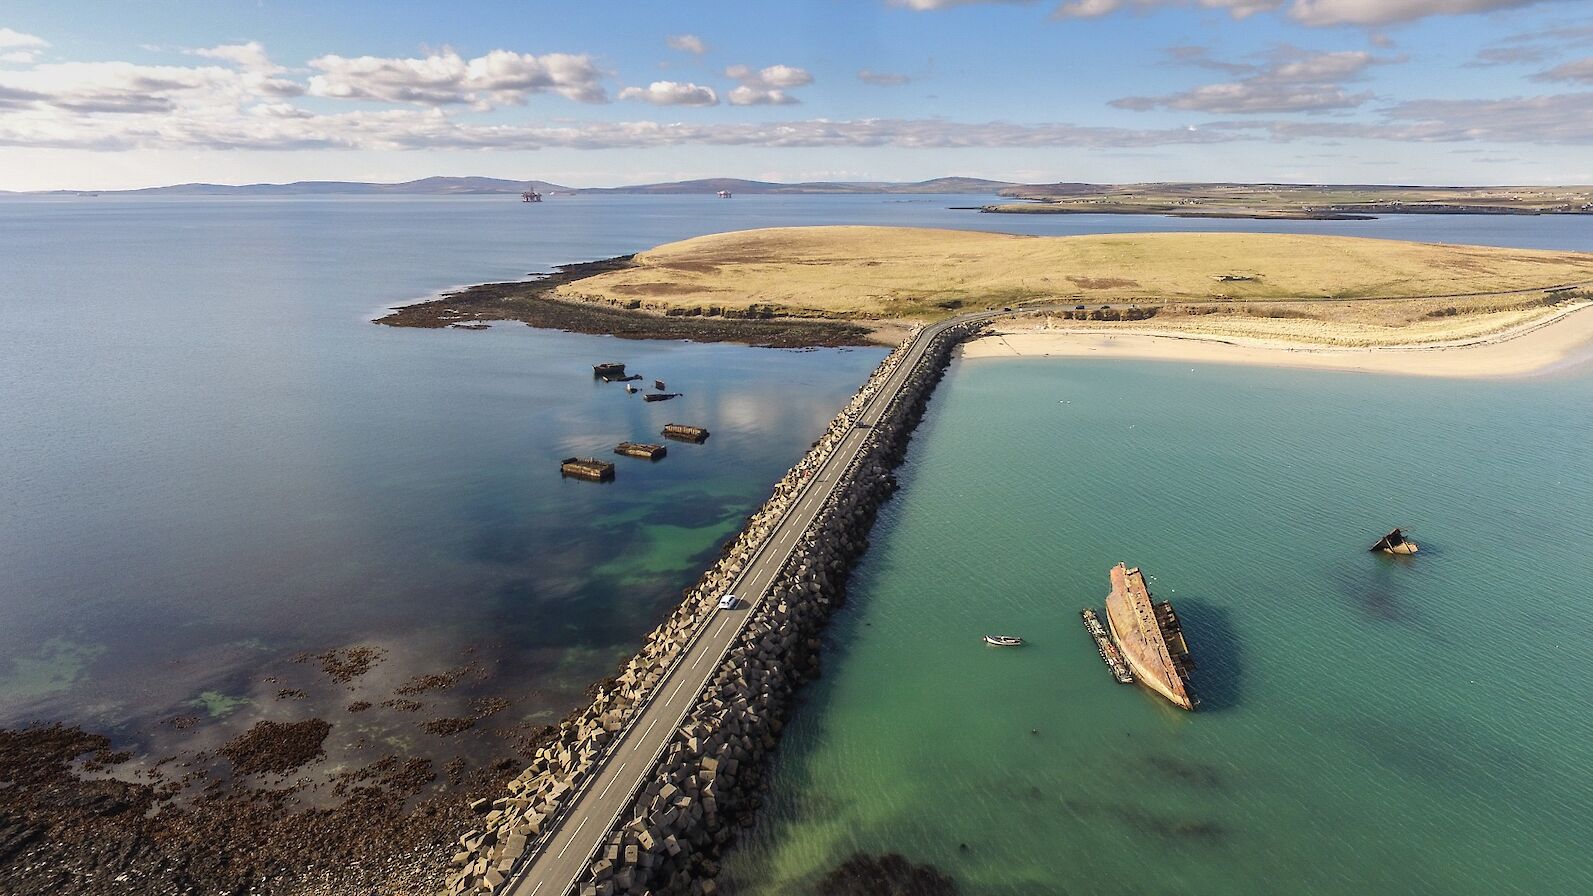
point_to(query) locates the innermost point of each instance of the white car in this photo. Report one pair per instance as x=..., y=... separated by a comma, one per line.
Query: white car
x=729, y=602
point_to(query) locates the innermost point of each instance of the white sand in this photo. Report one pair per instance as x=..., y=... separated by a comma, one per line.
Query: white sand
x=1561, y=341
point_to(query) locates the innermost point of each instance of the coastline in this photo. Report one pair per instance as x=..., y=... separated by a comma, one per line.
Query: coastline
x=534, y=303
x=1042, y=208
x=1558, y=341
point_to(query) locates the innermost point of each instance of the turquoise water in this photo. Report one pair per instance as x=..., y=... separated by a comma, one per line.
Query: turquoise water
x=1370, y=724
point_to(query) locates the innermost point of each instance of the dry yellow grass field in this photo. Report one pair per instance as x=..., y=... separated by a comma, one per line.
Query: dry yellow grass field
x=885, y=272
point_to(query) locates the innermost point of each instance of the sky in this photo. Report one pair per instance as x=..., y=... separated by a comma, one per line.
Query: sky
x=107, y=95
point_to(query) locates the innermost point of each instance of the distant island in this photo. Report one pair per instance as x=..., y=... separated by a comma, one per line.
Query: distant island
x=1291, y=201
x=1188, y=200
x=477, y=186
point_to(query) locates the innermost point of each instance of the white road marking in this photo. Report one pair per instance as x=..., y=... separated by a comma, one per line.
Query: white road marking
x=611, y=783
x=649, y=728
x=721, y=628
x=572, y=838
x=536, y=888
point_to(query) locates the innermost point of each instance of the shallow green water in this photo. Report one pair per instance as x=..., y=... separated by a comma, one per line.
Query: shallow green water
x=1370, y=725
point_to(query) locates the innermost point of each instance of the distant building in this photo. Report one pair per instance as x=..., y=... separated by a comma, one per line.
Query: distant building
x=723, y=194
x=530, y=196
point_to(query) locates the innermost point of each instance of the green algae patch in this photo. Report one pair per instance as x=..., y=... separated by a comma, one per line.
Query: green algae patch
x=217, y=704
x=57, y=666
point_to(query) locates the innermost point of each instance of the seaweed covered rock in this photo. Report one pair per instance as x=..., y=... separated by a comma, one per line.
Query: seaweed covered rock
x=887, y=875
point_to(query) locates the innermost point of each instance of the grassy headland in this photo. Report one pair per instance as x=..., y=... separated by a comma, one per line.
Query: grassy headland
x=1335, y=290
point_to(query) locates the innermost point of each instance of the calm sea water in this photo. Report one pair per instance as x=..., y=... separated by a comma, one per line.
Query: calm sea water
x=212, y=461
x=1371, y=724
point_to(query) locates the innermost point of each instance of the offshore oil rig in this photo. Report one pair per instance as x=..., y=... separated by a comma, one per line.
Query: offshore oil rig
x=1149, y=638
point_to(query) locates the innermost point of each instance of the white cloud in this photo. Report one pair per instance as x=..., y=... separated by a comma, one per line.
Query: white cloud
x=1294, y=81
x=445, y=78
x=1383, y=12
x=251, y=55
x=687, y=43
x=16, y=47
x=18, y=98
x=882, y=79
x=1307, y=12
x=283, y=126
x=125, y=88
x=1086, y=9
x=1565, y=118
x=766, y=86
x=772, y=76
x=672, y=93
x=1580, y=71
x=13, y=40
x=759, y=96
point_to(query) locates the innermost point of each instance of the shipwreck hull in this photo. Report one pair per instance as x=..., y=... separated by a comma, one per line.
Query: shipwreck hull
x=1149, y=637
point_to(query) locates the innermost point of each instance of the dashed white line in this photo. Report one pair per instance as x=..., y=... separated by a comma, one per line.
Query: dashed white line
x=611, y=783
x=537, y=887
x=572, y=839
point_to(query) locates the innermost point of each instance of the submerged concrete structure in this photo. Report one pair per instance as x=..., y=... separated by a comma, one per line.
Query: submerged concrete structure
x=1149, y=637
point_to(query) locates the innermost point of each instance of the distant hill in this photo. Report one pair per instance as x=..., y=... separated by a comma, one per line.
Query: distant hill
x=755, y=187
x=465, y=186
x=429, y=186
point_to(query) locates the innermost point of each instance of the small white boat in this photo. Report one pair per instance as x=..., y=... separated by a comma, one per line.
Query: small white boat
x=1003, y=641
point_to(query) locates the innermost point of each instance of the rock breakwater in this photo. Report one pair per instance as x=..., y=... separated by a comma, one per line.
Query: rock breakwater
x=707, y=781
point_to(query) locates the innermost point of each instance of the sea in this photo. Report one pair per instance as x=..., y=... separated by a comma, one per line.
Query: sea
x=217, y=469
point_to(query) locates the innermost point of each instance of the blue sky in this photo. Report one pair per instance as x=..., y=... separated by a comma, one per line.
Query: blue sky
x=105, y=95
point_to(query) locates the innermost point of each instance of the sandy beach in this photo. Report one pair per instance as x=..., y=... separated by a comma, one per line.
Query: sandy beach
x=1562, y=340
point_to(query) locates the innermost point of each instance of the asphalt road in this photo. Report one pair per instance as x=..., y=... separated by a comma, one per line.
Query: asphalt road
x=556, y=868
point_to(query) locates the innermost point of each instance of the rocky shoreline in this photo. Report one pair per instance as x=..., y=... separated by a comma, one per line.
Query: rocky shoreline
x=708, y=782
x=64, y=832
x=288, y=805
x=532, y=302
